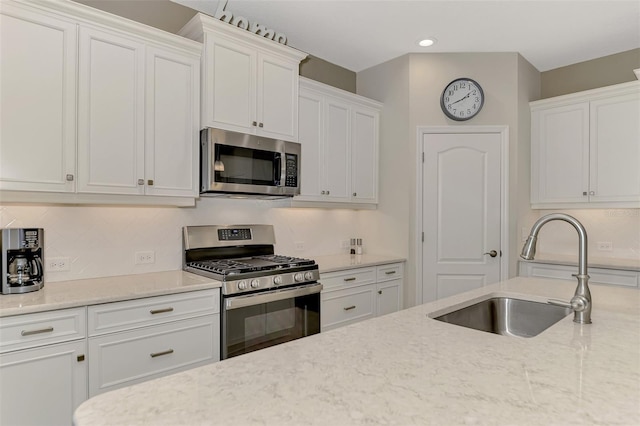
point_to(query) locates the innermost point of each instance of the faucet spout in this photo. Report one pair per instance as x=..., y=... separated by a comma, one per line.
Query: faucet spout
x=581, y=301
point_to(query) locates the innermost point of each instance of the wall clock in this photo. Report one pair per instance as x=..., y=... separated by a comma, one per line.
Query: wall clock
x=462, y=99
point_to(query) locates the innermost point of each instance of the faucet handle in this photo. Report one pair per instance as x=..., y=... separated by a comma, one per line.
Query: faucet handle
x=577, y=303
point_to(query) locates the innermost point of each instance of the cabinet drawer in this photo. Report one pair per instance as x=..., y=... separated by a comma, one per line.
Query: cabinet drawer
x=347, y=306
x=44, y=328
x=122, y=359
x=130, y=314
x=389, y=272
x=348, y=278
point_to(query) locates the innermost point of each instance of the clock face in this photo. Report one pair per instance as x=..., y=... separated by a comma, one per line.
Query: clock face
x=462, y=99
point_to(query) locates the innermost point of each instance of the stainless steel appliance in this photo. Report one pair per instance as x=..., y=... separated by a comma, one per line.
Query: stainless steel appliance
x=239, y=165
x=267, y=299
x=22, y=259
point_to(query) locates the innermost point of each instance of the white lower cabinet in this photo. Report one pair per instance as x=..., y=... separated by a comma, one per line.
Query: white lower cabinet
x=138, y=340
x=45, y=380
x=357, y=294
x=621, y=277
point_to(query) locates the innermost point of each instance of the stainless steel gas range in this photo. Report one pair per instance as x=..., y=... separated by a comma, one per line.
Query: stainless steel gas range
x=267, y=299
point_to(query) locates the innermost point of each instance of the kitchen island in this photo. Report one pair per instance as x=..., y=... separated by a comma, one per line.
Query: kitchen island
x=406, y=368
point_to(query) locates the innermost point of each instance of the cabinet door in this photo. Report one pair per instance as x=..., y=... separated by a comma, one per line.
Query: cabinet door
x=336, y=151
x=230, y=85
x=364, y=151
x=111, y=114
x=38, y=101
x=311, y=134
x=43, y=386
x=277, y=98
x=171, y=139
x=560, y=154
x=389, y=297
x=615, y=149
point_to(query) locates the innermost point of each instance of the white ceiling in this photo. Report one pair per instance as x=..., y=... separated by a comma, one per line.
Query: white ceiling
x=358, y=34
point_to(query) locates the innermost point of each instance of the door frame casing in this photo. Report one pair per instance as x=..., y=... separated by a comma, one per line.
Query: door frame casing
x=504, y=194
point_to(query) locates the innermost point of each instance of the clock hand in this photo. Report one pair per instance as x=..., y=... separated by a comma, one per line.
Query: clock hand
x=462, y=98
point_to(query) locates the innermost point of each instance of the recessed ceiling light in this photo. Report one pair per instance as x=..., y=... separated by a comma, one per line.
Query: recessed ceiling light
x=427, y=42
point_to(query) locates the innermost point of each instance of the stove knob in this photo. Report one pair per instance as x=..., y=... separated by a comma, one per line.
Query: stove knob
x=277, y=280
x=242, y=285
x=255, y=283
x=308, y=276
x=298, y=276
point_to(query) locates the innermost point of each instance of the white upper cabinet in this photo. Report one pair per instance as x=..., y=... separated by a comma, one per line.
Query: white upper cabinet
x=133, y=129
x=249, y=83
x=339, y=137
x=37, y=100
x=585, y=149
x=111, y=113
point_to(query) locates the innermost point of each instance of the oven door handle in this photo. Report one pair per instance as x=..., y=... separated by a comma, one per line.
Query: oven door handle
x=271, y=296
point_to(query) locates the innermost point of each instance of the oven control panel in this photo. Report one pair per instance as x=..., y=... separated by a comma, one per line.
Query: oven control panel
x=234, y=234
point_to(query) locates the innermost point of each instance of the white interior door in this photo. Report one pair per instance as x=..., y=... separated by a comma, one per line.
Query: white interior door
x=461, y=212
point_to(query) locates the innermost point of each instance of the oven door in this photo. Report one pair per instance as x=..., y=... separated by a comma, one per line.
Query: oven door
x=260, y=320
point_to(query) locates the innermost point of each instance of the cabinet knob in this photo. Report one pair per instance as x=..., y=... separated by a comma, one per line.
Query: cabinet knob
x=254, y=123
x=584, y=193
x=355, y=194
x=322, y=192
x=69, y=177
x=150, y=182
x=261, y=125
x=328, y=192
x=140, y=181
x=379, y=291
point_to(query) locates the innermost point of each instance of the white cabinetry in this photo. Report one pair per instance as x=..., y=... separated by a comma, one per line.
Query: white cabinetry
x=43, y=371
x=339, y=136
x=249, y=83
x=37, y=100
x=622, y=277
x=357, y=294
x=138, y=340
x=136, y=112
x=585, y=149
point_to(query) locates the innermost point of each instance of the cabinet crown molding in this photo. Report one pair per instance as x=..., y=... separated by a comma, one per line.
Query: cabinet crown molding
x=83, y=14
x=200, y=24
x=323, y=88
x=587, y=95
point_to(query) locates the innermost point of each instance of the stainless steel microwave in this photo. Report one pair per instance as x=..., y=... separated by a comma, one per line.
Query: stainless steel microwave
x=238, y=165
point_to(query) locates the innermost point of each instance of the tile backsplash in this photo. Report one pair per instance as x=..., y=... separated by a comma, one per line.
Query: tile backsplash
x=620, y=227
x=102, y=240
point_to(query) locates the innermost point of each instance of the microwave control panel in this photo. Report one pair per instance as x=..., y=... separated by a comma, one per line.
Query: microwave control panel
x=291, y=178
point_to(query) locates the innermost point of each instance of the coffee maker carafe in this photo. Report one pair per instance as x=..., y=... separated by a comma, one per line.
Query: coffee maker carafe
x=21, y=260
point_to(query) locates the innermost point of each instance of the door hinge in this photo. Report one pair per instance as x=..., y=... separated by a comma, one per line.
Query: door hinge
x=423, y=157
x=80, y=358
x=423, y=237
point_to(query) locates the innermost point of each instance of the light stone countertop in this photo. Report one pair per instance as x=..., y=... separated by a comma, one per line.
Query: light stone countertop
x=70, y=294
x=341, y=262
x=407, y=369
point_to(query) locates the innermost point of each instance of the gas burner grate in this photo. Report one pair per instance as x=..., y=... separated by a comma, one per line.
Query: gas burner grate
x=286, y=260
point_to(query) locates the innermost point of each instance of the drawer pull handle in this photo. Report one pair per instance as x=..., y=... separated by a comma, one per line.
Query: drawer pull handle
x=160, y=311
x=156, y=354
x=348, y=308
x=40, y=331
x=390, y=272
x=350, y=279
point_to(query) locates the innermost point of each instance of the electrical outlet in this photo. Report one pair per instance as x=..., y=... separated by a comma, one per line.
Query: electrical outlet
x=299, y=245
x=345, y=244
x=58, y=264
x=143, y=257
x=605, y=245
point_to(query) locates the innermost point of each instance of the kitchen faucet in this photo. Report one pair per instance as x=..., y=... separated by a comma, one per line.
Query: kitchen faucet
x=581, y=301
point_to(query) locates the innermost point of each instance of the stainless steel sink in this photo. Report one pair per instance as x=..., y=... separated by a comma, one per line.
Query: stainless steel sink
x=507, y=316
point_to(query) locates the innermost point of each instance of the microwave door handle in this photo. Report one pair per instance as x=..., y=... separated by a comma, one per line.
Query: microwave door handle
x=277, y=169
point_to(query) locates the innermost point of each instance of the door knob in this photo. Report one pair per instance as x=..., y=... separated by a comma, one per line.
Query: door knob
x=492, y=253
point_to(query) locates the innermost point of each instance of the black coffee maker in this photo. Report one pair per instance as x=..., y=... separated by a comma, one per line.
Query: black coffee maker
x=22, y=260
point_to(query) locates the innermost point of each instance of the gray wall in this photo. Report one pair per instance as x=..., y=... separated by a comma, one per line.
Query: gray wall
x=605, y=71
x=509, y=82
x=325, y=72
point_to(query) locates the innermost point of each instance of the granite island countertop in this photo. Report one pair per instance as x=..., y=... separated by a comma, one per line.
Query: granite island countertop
x=405, y=368
x=84, y=292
